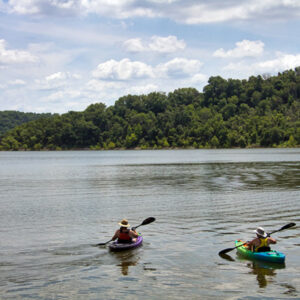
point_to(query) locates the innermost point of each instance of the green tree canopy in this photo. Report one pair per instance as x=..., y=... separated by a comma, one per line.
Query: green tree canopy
x=261, y=111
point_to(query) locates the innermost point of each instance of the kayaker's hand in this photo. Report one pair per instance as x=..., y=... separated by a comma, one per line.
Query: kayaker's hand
x=133, y=228
x=268, y=234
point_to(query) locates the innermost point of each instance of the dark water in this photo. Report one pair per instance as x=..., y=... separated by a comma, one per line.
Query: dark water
x=56, y=205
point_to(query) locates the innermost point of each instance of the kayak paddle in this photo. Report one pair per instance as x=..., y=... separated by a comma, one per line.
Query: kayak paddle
x=145, y=222
x=282, y=228
x=103, y=244
x=224, y=251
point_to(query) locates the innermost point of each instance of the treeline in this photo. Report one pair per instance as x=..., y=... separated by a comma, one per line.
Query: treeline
x=258, y=112
x=10, y=119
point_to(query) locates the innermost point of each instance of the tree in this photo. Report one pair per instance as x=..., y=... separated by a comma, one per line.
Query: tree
x=259, y=111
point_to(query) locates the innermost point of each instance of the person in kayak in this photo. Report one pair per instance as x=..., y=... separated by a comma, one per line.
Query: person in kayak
x=262, y=241
x=124, y=234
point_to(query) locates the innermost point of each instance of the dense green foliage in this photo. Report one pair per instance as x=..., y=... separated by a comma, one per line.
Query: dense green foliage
x=10, y=119
x=258, y=112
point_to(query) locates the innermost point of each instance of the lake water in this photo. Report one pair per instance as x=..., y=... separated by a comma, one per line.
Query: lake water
x=55, y=206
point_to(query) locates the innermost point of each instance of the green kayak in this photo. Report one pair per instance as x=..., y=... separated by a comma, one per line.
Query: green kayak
x=269, y=256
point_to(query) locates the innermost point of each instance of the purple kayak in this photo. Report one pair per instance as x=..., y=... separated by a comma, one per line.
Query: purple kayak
x=115, y=246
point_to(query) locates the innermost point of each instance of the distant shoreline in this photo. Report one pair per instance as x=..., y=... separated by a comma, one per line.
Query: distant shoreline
x=142, y=149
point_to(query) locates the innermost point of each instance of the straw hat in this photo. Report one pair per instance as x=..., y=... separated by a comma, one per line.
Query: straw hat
x=124, y=223
x=260, y=232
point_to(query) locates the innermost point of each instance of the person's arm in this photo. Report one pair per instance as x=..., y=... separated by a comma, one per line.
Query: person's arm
x=116, y=235
x=251, y=244
x=133, y=234
x=271, y=241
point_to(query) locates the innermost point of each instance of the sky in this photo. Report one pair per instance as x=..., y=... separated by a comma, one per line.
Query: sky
x=63, y=55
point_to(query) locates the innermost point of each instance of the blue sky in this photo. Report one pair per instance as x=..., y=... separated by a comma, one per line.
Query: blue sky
x=62, y=55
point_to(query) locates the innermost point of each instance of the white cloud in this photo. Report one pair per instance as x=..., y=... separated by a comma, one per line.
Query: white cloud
x=101, y=85
x=134, y=45
x=179, y=67
x=64, y=100
x=199, y=78
x=66, y=94
x=107, y=84
x=280, y=63
x=56, y=80
x=56, y=76
x=17, y=82
x=214, y=11
x=242, y=49
x=124, y=69
x=190, y=12
x=44, y=7
x=167, y=44
x=14, y=56
x=121, y=9
x=62, y=76
x=142, y=89
x=24, y=6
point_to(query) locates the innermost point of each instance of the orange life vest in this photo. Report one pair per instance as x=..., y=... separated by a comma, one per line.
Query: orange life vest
x=124, y=236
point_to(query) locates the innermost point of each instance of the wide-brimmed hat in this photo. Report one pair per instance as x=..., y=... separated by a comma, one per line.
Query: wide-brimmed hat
x=124, y=223
x=260, y=232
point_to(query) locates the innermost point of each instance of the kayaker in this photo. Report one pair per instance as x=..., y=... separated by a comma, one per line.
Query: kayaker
x=262, y=241
x=125, y=234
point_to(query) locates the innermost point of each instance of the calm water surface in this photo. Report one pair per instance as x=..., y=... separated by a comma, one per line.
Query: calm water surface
x=55, y=206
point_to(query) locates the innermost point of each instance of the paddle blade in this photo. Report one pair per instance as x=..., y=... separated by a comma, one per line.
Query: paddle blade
x=288, y=226
x=148, y=221
x=224, y=251
x=103, y=244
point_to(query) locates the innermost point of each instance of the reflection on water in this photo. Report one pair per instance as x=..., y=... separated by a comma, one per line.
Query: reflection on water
x=126, y=259
x=261, y=274
x=262, y=270
x=227, y=257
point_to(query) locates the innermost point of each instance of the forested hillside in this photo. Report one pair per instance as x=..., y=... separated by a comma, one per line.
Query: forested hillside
x=10, y=119
x=258, y=112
